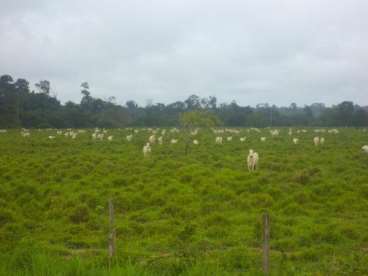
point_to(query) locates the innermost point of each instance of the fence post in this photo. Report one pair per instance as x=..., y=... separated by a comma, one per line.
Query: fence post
x=266, y=244
x=112, y=234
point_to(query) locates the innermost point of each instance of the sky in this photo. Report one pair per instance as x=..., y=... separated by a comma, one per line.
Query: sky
x=250, y=51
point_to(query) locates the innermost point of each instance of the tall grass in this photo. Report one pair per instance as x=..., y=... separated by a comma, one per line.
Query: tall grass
x=183, y=214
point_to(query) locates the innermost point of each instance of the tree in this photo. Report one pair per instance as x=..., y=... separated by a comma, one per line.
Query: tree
x=85, y=88
x=5, y=80
x=111, y=99
x=21, y=89
x=20, y=107
x=195, y=119
x=193, y=102
x=87, y=100
x=131, y=105
x=43, y=87
x=22, y=84
x=212, y=102
x=293, y=106
x=345, y=112
x=9, y=104
x=360, y=117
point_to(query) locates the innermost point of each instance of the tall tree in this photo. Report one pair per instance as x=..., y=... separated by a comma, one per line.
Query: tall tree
x=196, y=119
x=43, y=87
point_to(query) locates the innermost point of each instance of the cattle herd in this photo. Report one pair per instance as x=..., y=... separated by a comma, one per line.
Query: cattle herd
x=157, y=136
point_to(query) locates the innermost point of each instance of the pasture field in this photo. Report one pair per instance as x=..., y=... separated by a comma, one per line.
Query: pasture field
x=198, y=213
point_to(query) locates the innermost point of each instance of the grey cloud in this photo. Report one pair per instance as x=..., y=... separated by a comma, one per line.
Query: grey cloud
x=251, y=51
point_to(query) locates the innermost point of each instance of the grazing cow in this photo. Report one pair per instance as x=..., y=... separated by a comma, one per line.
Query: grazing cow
x=316, y=141
x=365, y=148
x=25, y=133
x=146, y=149
x=194, y=132
x=129, y=137
x=274, y=132
x=295, y=141
x=252, y=160
x=218, y=140
x=152, y=139
x=333, y=131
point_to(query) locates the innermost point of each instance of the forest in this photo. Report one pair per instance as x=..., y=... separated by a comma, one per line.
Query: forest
x=22, y=107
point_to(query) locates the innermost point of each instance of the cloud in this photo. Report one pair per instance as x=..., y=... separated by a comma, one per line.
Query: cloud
x=251, y=51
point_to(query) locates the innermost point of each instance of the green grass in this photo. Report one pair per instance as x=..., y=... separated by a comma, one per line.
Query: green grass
x=177, y=214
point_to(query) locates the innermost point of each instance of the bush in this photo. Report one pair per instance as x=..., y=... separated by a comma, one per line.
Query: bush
x=80, y=214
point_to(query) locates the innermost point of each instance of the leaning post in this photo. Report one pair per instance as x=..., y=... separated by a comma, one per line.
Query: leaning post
x=112, y=234
x=266, y=244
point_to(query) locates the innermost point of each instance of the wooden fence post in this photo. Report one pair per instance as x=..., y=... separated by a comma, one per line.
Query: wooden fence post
x=266, y=244
x=112, y=234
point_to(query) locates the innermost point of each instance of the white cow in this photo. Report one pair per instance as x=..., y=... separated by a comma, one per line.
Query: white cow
x=218, y=140
x=146, y=149
x=194, y=132
x=334, y=131
x=274, y=132
x=316, y=141
x=295, y=141
x=252, y=160
x=365, y=148
x=25, y=133
x=152, y=139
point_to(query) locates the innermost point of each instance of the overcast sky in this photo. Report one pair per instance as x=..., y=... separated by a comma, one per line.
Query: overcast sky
x=251, y=51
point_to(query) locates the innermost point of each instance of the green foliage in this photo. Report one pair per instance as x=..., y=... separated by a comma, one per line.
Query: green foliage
x=176, y=214
x=193, y=119
x=22, y=107
x=80, y=214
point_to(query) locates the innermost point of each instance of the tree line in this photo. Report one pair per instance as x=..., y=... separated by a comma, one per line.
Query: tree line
x=22, y=107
